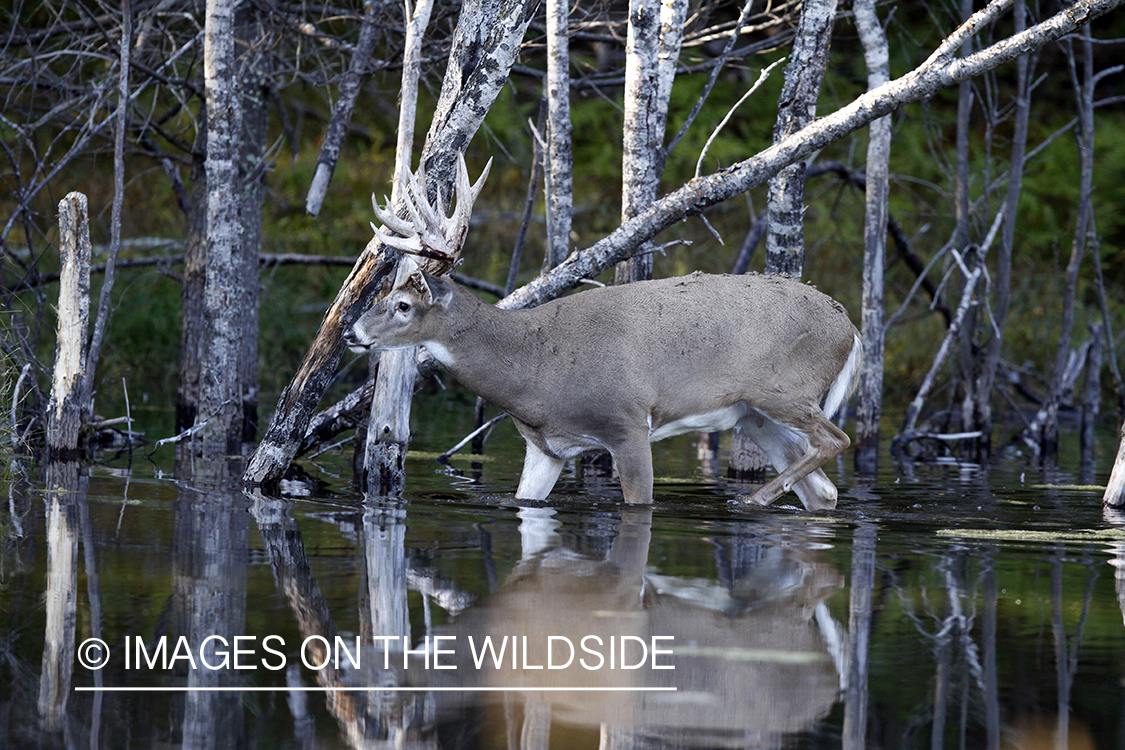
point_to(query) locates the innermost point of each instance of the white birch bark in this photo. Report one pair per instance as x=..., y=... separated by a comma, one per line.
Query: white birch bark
x=652, y=49
x=559, y=172
x=65, y=409
x=876, y=53
x=785, y=239
x=1114, y=496
x=417, y=21
x=220, y=401
x=388, y=427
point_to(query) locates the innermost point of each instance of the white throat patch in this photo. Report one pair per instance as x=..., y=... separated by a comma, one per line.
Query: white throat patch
x=439, y=352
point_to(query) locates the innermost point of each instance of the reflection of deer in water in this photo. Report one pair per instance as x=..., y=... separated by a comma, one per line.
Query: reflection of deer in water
x=749, y=657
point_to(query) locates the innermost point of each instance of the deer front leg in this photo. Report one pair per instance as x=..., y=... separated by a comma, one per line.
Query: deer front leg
x=540, y=472
x=633, y=460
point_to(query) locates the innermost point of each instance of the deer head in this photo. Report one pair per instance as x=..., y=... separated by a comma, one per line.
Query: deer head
x=405, y=316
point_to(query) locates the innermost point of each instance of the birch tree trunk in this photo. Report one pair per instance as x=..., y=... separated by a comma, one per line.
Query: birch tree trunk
x=559, y=174
x=388, y=427
x=67, y=407
x=254, y=74
x=1049, y=437
x=877, y=191
x=220, y=399
x=1114, y=496
x=1002, y=280
x=785, y=250
x=785, y=241
x=652, y=50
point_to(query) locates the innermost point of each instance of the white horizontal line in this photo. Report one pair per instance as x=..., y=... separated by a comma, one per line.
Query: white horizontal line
x=318, y=689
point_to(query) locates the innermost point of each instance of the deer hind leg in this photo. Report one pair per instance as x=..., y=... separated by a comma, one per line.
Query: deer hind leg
x=797, y=455
x=540, y=472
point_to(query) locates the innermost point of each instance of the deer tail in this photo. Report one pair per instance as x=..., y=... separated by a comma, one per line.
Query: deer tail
x=846, y=382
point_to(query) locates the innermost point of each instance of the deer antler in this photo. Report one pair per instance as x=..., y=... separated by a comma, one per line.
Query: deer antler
x=429, y=232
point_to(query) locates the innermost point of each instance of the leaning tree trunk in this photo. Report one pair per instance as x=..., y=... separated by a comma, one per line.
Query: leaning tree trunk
x=220, y=399
x=652, y=50
x=483, y=53
x=877, y=191
x=785, y=242
x=350, y=83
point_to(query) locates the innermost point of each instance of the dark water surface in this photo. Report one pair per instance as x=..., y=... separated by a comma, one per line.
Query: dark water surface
x=939, y=607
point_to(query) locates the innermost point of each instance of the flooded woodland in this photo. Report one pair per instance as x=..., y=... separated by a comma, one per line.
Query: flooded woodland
x=889, y=513
x=937, y=606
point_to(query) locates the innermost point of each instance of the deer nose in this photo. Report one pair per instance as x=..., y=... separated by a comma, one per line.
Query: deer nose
x=350, y=339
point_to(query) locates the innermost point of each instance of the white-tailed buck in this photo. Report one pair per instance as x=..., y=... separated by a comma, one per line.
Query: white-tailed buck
x=618, y=367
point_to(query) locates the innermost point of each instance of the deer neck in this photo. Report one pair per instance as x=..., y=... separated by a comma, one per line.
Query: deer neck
x=477, y=342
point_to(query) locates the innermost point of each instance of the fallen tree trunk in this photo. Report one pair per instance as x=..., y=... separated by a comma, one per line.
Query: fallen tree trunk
x=483, y=53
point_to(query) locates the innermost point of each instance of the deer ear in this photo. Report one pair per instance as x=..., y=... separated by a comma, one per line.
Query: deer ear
x=431, y=289
x=441, y=290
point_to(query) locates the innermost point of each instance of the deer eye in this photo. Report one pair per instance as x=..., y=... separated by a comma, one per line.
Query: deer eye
x=403, y=307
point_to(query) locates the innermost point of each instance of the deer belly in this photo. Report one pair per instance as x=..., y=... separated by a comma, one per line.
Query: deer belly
x=712, y=421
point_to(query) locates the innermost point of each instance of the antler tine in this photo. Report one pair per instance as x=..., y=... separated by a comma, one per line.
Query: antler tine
x=466, y=194
x=418, y=197
x=479, y=184
x=390, y=219
x=411, y=244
